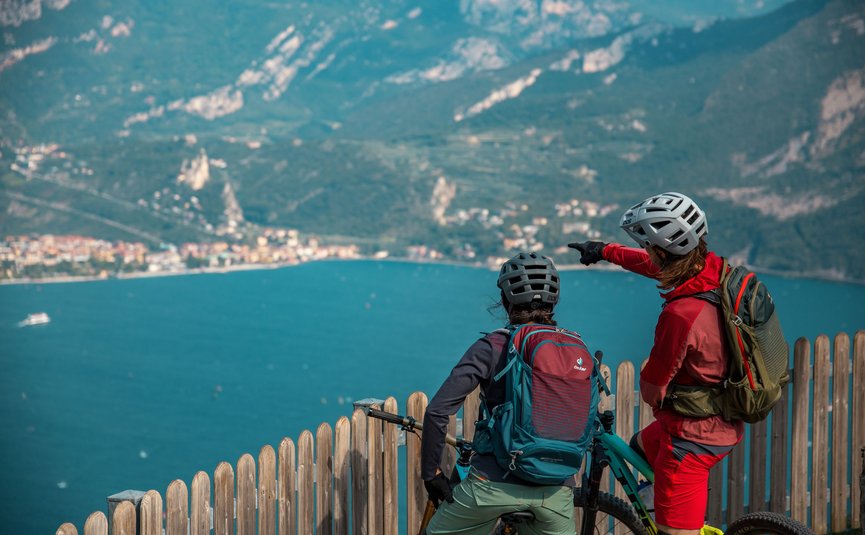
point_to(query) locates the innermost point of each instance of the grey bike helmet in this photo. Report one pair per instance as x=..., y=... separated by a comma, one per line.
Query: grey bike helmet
x=529, y=278
x=671, y=221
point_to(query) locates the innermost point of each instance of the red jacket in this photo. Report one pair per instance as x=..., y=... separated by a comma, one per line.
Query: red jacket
x=689, y=347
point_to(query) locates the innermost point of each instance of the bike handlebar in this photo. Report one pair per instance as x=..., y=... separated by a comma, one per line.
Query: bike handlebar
x=409, y=424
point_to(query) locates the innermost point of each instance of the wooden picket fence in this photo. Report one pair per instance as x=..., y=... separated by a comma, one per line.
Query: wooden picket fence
x=345, y=479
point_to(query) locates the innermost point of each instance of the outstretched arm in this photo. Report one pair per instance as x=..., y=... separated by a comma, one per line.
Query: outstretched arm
x=632, y=259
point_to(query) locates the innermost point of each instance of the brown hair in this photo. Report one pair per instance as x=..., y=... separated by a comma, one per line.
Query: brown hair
x=521, y=314
x=676, y=269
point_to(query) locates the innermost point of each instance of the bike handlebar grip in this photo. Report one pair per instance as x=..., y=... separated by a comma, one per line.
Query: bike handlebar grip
x=387, y=416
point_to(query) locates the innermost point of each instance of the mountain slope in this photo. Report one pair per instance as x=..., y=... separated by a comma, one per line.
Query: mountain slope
x=413, y=125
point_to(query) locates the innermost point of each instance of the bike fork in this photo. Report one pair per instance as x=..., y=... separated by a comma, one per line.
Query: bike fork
x=592, y=482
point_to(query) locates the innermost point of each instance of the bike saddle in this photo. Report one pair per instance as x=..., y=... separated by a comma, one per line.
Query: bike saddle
x=517, y=517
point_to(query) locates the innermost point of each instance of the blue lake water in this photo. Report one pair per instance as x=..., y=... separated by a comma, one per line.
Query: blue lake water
x=138, y=382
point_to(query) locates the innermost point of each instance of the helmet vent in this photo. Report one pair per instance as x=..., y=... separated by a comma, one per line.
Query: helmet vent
x=694, y=217
x=660, y=224
x=678, y=234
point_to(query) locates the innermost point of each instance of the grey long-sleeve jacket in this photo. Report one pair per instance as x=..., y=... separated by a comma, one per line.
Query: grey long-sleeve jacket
x=480, y=363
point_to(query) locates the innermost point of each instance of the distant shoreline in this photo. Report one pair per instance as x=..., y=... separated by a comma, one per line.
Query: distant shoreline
x=260, y=267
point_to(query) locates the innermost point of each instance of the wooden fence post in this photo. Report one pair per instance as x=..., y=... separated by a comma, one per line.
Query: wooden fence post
x=123, y=521
x=840, y=430
x=305, y=484
x=858, y=430
x=150, y=511
x=177, y=508
x=801, y=416
x=820, y=437
x=223, y=499
x=780, y=466
x=736, y=482
x=390, y=472
x=358, y=474
x=324, y=480
x=199, y=514
x=286, y=485
x=66, y=529
x=96, y=524
x=266, y=491
x=341, y=481
x=624, y=416
x=245, y=495
x=416, y=494
x=757, y=467
x=373, y=475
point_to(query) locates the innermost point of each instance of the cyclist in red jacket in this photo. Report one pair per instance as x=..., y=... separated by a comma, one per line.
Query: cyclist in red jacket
x=689, y=349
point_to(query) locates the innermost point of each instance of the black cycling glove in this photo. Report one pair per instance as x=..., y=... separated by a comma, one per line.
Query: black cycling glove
x=439, y=490
x=590, y=251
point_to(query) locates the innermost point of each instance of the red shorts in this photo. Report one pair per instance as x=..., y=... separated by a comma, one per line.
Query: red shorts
x=681, y=476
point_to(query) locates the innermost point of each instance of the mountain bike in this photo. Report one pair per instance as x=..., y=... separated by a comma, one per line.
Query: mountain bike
x=601, y=513
x=610, y=450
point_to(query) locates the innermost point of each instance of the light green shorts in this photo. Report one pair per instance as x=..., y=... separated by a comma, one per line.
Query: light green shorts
x=478, y=503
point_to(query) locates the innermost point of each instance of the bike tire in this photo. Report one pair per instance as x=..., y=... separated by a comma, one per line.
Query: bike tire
x=619, y=514
x=765, y=523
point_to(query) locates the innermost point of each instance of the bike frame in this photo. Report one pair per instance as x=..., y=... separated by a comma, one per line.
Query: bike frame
x=608, y=449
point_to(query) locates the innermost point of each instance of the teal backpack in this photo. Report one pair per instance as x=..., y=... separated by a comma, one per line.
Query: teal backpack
x=545, y=424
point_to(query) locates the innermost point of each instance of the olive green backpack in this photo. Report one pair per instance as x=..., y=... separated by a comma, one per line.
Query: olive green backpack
x=759, y=354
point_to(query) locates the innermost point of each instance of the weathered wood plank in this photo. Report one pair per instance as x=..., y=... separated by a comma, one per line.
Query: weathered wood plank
x=471, y=408
x=714, y=507
x=305, y=484
x=223, y=499
x=176, y=508
x=375, y=487
x=858, y=429
x=66, y=529
x=624, y=416
x=416, y=494
x=757, y=467
x=245, y=495
x=150, y=513
x=266, y=491
x=820, y=438
x=390, y=472
x=287, y=481
x=780, y=428
x=736, y=482
x=341, y=476
x=801, y=416
x=359, y=473
x=840, y=430
x=324, y=480
x=96, y=524
x=449, y=454
x=199, y=511
x=123, y=520
x=624, y=403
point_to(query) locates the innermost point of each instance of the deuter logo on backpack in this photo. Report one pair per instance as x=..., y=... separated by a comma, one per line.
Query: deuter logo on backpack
x=542, y=429
x=759, y=354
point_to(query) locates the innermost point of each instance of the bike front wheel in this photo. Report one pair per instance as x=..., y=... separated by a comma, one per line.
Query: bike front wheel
x=615, y=515
x=764, y=523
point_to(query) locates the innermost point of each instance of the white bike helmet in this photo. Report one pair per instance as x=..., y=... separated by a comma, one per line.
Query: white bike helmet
x=671, y=221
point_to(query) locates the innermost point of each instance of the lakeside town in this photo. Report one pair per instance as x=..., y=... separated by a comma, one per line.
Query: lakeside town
x=64, y=257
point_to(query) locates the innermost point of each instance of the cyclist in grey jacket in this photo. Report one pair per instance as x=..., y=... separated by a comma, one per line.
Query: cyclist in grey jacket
x=529, y=286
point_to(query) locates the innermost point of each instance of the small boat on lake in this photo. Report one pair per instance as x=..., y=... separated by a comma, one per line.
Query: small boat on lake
x=38, y=318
